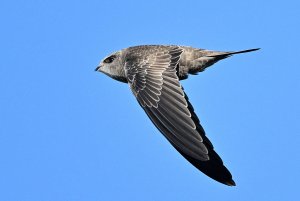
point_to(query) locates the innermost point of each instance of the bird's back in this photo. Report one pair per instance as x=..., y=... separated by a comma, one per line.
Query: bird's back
x=192, y=60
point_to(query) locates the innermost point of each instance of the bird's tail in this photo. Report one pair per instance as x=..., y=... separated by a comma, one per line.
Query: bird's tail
x=208, y=58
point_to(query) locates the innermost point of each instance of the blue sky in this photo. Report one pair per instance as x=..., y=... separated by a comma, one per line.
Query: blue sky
x=69, y=133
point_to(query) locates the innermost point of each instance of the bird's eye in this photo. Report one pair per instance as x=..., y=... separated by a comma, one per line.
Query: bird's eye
x=109, y=59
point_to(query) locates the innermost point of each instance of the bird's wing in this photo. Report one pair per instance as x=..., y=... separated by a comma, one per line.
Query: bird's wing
x=154, y=82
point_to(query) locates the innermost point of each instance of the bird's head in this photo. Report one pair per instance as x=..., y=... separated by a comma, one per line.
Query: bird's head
x=113, y=67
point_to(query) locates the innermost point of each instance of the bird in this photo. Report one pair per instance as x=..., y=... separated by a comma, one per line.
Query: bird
x=153, y=73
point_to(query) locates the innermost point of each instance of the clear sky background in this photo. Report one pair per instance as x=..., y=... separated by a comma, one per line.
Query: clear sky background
x=69, y=133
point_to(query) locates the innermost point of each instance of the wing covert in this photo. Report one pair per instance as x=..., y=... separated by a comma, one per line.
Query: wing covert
x=154, y=82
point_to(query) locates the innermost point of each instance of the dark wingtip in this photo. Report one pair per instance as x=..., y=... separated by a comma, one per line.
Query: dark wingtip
x=245, y=51
x=230, y=183
x=223, y=55
x=251, y=50
x=213, y=168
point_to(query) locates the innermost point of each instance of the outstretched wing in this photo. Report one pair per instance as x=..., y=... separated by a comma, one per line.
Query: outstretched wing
x=154, y=82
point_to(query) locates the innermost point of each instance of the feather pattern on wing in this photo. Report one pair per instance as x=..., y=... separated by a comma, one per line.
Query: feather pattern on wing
x=156, y=86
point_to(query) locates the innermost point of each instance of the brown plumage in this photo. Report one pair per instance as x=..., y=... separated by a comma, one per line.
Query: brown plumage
x=153, y=73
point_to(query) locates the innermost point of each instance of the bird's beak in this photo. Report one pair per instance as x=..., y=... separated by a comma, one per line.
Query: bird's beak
x=97, y=69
